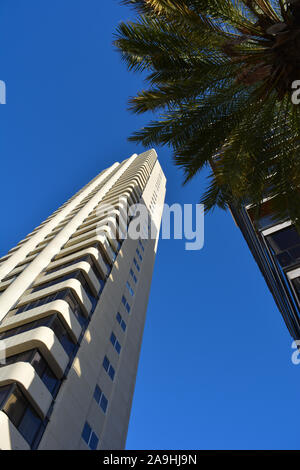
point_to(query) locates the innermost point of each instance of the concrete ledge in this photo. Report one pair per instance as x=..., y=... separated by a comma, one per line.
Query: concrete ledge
x=73, y=284
x=61, y=307
x=24, y=375
x=102, y=228
x=96, y=255
x=45, y=341
x=82, y=266
x=99, y=238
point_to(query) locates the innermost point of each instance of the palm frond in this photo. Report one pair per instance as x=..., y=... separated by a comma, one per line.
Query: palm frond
x=219, y=75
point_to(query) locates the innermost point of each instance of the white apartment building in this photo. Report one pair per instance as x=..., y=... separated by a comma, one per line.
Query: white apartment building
x=73, y=300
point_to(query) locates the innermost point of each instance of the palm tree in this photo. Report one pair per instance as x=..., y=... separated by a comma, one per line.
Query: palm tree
x=220, y=75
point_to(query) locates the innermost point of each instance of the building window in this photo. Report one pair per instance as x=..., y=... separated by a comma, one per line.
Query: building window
x=20, y=413
x=139, y=254
x=263, y=217
x=62, y=335
x=296, y=285
x=285, y=244
x=90, y=437
x=75, y=307
x=133, y=276
x=4, y=391
x=141, y=245
x=136, y=265
x=121, y=321
x=115, y=342
x=125, y=303
x=109, y=368
x=131, y=291
x=100, y=398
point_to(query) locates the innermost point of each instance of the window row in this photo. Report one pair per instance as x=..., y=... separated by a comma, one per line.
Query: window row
x=65, y=294
x=78, y=275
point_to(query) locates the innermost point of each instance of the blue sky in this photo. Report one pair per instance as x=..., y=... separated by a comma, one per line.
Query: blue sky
x=215, y=370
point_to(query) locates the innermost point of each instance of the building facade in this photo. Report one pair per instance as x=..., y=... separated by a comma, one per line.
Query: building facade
x=276, y=249
x=73, y=300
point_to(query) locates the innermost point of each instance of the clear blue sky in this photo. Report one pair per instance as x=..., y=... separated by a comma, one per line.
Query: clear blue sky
x=215, y=369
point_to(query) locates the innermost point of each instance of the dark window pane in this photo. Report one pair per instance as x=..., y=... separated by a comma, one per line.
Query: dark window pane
x=295, y=252
x=15, y=407
x=86, y=433
x=104, y=403
x=97, y=394
x=113, y=339
x=284, y=239
x=58, y=328
x=75, y=307
x=30, y=425
x=72, y=275
x=49, y=379
x=38, y=363
x=296, y=284
x=284, y=259
x=26, y=327
x=37, y=303
x=93, y=442
x=111, y=372
x=8, y=333
x=105, y=363
x=118, y=347
x=21, y=357
x=4, y=391
x=63, y=336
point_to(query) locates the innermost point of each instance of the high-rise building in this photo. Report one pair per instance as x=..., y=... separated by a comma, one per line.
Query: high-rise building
x=275, y=246
x=73, y=299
